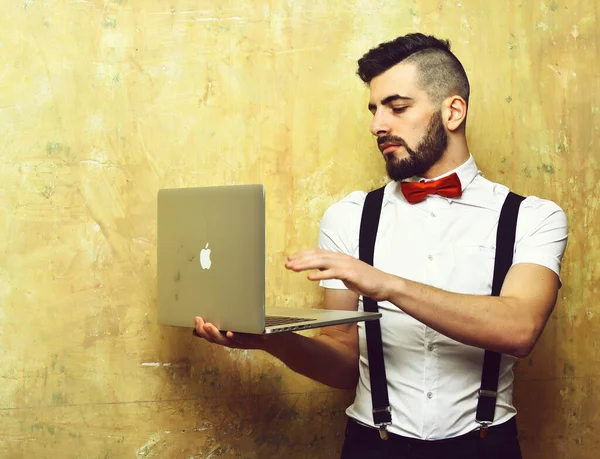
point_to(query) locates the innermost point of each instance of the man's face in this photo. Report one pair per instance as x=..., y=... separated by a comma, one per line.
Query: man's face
x=409, y=129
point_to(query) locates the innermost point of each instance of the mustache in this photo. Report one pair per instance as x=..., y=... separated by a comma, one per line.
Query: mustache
x=388, y=140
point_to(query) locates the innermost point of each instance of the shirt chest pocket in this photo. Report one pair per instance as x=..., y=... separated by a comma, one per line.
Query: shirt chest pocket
x=473, y=269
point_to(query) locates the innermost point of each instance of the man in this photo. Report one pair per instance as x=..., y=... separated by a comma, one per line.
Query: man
x=432, y=274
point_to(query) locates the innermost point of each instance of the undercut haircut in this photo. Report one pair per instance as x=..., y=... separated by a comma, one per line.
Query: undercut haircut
x=439, y=72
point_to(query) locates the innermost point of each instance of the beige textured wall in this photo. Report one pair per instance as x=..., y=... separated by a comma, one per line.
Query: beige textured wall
x=103, y=102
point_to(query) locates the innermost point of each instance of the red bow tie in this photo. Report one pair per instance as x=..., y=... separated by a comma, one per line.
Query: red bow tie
x=448, y=186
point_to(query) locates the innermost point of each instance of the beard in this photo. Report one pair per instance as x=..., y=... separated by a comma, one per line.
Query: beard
x=428, y=152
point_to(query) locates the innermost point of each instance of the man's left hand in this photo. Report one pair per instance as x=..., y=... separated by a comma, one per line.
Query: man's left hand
x=356, y=275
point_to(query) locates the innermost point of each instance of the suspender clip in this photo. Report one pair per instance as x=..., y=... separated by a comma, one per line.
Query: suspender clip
x=382, y=417
x=487, y=393
x=483, y=429
x=383, y=433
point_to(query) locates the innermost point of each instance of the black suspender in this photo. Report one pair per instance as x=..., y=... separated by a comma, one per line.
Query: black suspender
x=505, y=240
x=382, y=413
x=505, y=244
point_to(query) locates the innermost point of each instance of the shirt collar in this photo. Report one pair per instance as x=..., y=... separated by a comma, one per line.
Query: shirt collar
x=466, y=172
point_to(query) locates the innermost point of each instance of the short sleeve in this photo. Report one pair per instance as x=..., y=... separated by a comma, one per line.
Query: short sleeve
x=541, y=234
x=339, y=231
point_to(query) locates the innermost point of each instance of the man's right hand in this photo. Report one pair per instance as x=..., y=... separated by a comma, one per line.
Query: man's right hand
x=210, y=333
x=331, y=357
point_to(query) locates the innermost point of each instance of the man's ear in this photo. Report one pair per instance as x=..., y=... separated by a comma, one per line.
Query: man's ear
x=454, y=112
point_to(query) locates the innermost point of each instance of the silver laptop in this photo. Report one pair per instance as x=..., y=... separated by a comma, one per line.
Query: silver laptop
x=211, y=263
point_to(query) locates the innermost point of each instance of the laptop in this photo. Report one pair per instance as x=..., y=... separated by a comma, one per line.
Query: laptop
x=211, y=263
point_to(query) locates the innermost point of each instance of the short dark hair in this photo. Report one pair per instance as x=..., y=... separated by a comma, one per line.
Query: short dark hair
x=440, y=73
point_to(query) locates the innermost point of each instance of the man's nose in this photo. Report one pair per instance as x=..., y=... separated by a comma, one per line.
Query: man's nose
x=379, y=125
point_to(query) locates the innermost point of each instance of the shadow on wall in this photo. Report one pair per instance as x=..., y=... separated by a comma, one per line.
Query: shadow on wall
x=246, y=402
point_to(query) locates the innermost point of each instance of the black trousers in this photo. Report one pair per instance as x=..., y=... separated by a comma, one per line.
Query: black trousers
x=500, y=442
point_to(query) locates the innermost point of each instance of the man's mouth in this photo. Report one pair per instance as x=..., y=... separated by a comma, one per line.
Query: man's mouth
x=388, y=148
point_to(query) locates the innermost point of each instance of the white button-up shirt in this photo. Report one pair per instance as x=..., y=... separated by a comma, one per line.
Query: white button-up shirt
x=448, y=243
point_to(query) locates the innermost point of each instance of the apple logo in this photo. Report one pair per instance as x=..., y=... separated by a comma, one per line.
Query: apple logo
x=205, y=257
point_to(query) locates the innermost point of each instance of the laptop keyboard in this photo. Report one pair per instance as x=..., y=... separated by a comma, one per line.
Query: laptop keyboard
x=278, y=320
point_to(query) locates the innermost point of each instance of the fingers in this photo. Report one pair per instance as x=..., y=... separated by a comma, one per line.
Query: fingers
x=211, y=334
x=330, y=265
x=323, y=274
x=295, y=261
x=202, y=329
x=314, y=259
x=199, y=330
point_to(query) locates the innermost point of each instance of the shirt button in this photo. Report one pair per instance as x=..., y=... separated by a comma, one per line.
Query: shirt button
x=429, y=395
x=432, y=215
x=430, y=257
x=430, y=347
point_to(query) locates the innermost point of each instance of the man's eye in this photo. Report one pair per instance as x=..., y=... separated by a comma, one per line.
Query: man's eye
x=398, y=109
